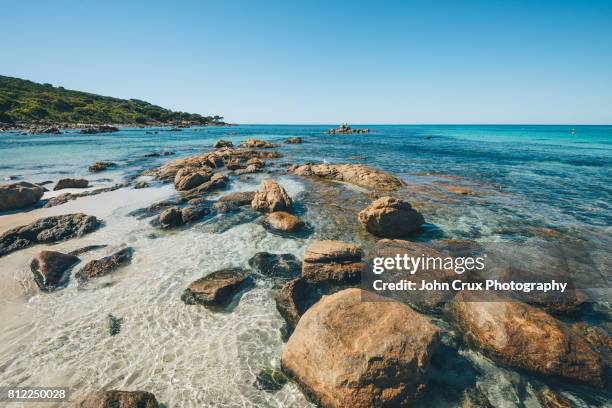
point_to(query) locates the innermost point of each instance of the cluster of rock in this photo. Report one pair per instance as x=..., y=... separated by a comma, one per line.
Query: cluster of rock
x=47, y=230
x=345, y=129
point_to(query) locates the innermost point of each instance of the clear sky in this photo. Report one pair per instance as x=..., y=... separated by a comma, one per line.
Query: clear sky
x=328, y=61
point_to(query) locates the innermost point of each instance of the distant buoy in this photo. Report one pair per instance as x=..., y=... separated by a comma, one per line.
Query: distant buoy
x=573, y=131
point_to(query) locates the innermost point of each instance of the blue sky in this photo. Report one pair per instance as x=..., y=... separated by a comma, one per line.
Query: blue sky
x=326, y=61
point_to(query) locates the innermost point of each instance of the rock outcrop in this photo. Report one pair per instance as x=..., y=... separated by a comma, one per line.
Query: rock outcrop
x=100, y=166
x=210, y=160
x=284, y=222
x=333, y=261
x=119, y=399
x=346, y=352
x=271, y=197
x=390, y=217
x=71, y=183
x=46, y=230
x=345, y=129
x=518, y=335
x=49, y=269
x=357, y=174
x=216, y=289
x=293, y=140
x=104, y=266
x=19, y=195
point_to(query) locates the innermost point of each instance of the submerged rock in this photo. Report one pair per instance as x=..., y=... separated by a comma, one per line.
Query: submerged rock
x=270, y=379
x=46, y=230
x=297, y=296
x=293, y=140
x=64, y=198
x=19, y=195
x=282, y=266
x=101, y=165
x=217, y=288
x=271, y=197
x=49, y=269
x=239, y=198
x=356, y=174
x=119, y=399
x=346, y=352
x=390, y=217
x=518, y=335
x=332, y=261
x=283, y=221
x=114, y=324
x=250, y=169
x=106, y=265
x=86, y=249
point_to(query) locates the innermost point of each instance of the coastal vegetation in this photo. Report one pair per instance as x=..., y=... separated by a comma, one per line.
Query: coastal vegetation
x=25, y=102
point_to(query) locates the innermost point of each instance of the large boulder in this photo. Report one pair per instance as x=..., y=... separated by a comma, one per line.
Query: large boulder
x=47, y=230
x=284, y=222
x=278, y=266
x=119, y=399
x=106, y=265
x=271, y=197
x=71, y=183
x=217, y=288
x=334, y=261
x=357, y=174
x=19, y=195
x=516, y=334
x=347, y=352
x=49, y=269
x=187, y=179
x=390, y=217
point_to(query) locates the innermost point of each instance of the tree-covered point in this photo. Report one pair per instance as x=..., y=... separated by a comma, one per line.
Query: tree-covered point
x=27, y=102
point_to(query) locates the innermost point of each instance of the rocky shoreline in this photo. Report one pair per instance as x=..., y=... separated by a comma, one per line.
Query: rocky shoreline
x=344, y=346
x=94, y=128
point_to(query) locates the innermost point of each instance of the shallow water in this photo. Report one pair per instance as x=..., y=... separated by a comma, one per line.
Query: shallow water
x=527, y=181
